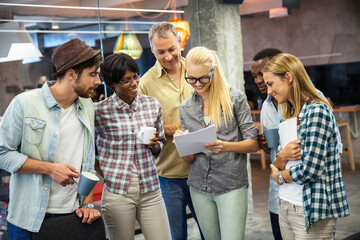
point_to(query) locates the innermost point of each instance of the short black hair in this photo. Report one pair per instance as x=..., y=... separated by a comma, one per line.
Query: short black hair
x=266, y=53
x=115, y=66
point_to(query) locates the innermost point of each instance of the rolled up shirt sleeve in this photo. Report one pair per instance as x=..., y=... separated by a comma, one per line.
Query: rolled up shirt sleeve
x=243, y=117
x=11, y=129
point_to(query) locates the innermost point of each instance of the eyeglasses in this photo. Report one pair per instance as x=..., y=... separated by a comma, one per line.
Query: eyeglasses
x=202, y=80
x=127, y=82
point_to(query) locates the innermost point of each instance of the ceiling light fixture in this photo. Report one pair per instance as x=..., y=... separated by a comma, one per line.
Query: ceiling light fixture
x=128, y=43
x=18, y=46
x=182, y=27
x=76, y=21
x=55, y=25
x=70, y=31
x=89, y=8
x=278, y=12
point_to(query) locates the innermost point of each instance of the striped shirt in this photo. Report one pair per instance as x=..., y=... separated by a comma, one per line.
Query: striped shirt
x=116, y=126
x=320, y=172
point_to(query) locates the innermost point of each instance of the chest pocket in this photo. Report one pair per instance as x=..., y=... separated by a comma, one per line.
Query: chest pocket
x=34, y=130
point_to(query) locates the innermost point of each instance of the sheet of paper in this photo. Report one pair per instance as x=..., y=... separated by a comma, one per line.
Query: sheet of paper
x=288, y=131
x=194, y=142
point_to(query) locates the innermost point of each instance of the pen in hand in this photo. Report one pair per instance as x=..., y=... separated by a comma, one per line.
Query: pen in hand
x=177, y=127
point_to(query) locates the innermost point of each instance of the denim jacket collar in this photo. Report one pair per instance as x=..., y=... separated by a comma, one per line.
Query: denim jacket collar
x=50, y=100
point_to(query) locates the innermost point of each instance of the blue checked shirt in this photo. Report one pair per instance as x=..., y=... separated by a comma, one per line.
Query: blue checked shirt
x=271, y=118
x=320, y=172
x=116, y=126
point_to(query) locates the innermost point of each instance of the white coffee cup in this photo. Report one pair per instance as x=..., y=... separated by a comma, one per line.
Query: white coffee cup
x=86, y=183
x=145, y=134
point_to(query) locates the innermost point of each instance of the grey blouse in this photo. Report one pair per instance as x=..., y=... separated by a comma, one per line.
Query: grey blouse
x=223, y=172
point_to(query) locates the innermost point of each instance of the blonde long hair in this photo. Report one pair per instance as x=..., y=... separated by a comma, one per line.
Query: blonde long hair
x=219, y=96
x=301, y=84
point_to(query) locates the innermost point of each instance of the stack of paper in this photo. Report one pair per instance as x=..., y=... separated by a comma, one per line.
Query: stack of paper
x=194, y=142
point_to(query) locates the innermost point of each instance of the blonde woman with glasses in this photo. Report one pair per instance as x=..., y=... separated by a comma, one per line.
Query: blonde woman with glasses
x=218, y=177
x=312, y=193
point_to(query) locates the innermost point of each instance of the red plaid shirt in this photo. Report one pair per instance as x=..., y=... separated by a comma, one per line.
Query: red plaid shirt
x=116, y=126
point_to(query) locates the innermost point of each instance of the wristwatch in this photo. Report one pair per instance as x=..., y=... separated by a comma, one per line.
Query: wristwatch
x=88, y=205
x=280, y=178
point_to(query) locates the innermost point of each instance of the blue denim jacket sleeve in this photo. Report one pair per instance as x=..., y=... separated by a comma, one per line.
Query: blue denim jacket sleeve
x=11, y=128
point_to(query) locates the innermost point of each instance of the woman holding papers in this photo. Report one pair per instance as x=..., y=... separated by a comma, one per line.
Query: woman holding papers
x=218, y=177
x=312, y=193
x=131, y=184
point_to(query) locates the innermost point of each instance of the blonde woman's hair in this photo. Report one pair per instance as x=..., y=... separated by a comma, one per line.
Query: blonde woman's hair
x=219, y=96
x=301, y=84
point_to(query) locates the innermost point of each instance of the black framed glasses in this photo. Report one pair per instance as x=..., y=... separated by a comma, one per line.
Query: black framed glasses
x=127, y=82
x=202, y=80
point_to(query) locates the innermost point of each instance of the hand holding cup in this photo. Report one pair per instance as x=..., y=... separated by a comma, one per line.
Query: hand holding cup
x=146, y=133
x=86, y=183
x=272, y=137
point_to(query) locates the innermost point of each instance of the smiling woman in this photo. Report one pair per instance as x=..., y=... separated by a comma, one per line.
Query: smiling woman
x=312, y=194
x=125, y=162
x=218, y=177
x=121, y=73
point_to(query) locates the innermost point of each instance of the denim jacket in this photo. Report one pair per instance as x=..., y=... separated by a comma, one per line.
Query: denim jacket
x=29, y=128
x=270, y=118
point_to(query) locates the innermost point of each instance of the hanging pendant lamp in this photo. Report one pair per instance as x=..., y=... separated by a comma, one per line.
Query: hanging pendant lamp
x=183, y=28
x=128, y=43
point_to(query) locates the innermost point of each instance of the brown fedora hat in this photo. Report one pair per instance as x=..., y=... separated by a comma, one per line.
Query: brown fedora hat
x=71, y=54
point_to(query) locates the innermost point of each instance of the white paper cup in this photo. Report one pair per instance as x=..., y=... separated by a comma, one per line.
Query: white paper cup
x=272, y=137
x=145, y=134
x=86, y=183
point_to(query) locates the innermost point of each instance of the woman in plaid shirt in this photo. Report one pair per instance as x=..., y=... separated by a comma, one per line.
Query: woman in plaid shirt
x=310, y=213
x=131, y=184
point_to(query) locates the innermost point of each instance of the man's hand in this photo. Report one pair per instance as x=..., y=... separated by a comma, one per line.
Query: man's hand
x=63, y=173
x=60, y=172
x=216, y=147
x=262, y=142
x=89, y=215
x=170, y=129
x=291, y=152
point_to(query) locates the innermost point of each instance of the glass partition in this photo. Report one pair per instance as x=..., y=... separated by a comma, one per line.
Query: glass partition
x=46, y=26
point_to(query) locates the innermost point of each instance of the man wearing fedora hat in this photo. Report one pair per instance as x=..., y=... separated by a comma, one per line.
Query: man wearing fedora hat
x=47, y=138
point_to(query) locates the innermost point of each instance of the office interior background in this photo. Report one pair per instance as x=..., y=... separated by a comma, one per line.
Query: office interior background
x=324, y=34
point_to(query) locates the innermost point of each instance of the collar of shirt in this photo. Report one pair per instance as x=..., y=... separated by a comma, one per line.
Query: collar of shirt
x=269, y=116
x=119, y=103
x=50, y=100
x=160, y=70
